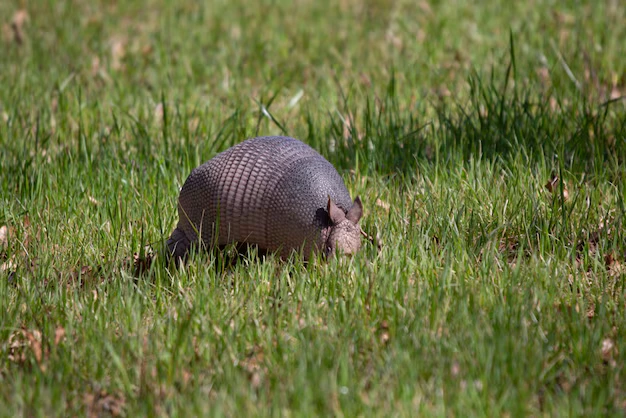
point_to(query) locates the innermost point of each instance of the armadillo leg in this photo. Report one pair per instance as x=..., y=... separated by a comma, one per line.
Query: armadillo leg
x=177, y=244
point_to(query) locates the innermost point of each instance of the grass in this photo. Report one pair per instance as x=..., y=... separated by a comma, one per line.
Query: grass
x=491, y=295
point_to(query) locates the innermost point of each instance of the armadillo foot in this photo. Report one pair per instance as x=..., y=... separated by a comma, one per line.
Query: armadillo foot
x=177, y=245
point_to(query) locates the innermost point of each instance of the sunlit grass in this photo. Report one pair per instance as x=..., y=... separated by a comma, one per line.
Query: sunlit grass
x=492, y=294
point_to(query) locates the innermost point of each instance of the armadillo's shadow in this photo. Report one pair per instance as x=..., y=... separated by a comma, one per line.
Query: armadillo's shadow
x=224, y=257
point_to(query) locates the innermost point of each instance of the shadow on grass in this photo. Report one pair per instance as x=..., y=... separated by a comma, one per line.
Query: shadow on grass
x=500, y=120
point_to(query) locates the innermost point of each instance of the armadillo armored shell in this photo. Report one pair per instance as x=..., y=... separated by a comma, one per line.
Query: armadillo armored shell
x=269, y=191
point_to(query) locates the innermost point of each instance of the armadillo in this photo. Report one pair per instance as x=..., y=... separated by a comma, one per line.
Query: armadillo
x=273, y=192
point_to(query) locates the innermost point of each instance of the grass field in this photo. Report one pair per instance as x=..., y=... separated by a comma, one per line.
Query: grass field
x=487, y=141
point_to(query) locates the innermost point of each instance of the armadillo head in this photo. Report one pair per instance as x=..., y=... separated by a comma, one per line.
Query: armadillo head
x=344, y=235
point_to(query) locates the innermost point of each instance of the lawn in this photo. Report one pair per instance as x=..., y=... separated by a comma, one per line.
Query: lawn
x=487, y=141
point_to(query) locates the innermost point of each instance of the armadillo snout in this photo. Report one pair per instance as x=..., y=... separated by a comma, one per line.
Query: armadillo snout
x=344, y=238
x=345, y=234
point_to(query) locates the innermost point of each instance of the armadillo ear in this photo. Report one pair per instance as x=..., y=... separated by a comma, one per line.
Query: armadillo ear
x=356, y=211
x=336, y=214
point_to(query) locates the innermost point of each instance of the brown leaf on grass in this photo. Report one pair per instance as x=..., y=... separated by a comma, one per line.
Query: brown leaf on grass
x=4, y=237
x=607, y=222
x=384, y=338
x=118, y=52
x=54, y=104
x=15, y=30
x=383, y=332
x=253, y=364
x=59, y=335
x=564, y=382
x=17, y=344
x=616, y=93
x=104, y=403
x=616, y=269
x=142, y=263
x=256, y=379
x=23, y=340
x=554, y=104
x=8, y=265
x=34, y=341
x=609, y=260
x=348, y=123
x=85, y=274
x=553, y=186
x=158, y=113
x=97, y=70
x=455, y=369
x=254, y=360
x=609, y=352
